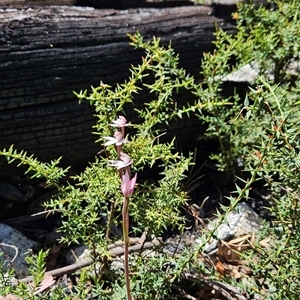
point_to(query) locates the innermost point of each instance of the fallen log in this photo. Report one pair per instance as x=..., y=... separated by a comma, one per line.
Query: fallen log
x=118, y=4
x=49, y=52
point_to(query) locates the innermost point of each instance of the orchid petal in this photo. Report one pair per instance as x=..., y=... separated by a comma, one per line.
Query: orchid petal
x=125, y=158
x=117, y=139
x=124, y=161
x=120, y=122
x=110, y=141
x=121, y=142
x=128, y=184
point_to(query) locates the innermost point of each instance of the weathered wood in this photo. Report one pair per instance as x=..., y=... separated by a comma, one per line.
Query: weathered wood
x=15, y=3
x=98, y=3
x=46, y=53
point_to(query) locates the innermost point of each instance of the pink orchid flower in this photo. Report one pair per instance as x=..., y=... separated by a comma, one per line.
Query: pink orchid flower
x=124, y=161
x=128, y=184
x=120, y=122
x=117, y=139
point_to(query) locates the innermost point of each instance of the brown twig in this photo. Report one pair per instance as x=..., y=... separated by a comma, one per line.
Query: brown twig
x=227, y=291
x=88, y=261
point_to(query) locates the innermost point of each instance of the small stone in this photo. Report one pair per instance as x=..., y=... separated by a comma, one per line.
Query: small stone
x=15, y=247
x=77, y=254
x=247, y=73
x=238, y=223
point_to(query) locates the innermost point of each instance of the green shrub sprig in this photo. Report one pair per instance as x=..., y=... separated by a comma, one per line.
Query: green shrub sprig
x=257, y=133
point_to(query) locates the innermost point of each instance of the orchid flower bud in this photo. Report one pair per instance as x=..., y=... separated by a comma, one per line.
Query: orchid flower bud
x=128, y=184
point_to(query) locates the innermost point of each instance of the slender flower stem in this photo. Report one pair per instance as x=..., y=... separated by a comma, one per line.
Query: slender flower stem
x=125, y=224
x=127, y=186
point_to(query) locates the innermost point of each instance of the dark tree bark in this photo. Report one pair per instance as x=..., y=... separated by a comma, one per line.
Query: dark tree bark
x=46, y=53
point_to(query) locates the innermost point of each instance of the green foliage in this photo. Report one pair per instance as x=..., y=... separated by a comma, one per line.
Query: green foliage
x=275, y=274
x=258, y=127
x=274, y=35
x=151, y=279
x=5, y=276
x=263, y=129
x=266, y=45
x=90, y=204
x=50, y=171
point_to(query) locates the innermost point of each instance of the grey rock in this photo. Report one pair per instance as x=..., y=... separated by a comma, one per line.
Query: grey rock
x=77, y=254
x=238, y=223
x=247, y=73
x=14, y=248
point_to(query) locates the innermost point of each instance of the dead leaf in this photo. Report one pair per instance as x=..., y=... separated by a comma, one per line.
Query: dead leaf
x=245, y=270
x=236, y=274
x=265, y=243
x=241, y=239
x=46, y=283
x=230, y=251
x=9, y=297
x=220, y=268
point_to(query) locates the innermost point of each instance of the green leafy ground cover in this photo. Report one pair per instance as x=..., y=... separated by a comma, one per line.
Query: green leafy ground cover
x=259, y=128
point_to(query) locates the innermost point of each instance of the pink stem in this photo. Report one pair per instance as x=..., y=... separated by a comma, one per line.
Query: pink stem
x=125, y=221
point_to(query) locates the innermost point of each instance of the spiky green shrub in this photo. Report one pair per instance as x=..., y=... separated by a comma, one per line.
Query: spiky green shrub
x=257, y=132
